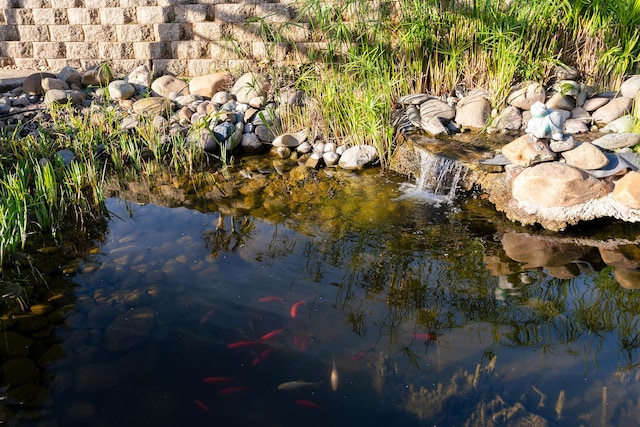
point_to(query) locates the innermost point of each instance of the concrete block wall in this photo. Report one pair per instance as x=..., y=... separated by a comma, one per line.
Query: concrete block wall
x=180, y=37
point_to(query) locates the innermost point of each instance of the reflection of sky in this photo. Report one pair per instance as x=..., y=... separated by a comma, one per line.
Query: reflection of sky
x=368, y=296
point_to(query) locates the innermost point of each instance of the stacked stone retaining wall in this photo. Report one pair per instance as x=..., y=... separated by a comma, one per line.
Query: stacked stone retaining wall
x=180, y=37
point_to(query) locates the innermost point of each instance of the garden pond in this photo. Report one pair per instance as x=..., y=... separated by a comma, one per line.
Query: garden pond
x=266, y=298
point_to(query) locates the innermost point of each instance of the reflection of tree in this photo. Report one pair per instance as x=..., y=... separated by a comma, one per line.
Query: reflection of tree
x=229, y=240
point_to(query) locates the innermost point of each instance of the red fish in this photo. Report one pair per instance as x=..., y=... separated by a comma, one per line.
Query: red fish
x=240, y=344
x=215, y=380
x=425, y=337
x=262, y=356
x=231, y=390
x=271, y=298
x=207, y=316
x=294, y=308
x=361, y=354
x=305, y=342
x=307, y=404
x=202, y=406
x=272, y=334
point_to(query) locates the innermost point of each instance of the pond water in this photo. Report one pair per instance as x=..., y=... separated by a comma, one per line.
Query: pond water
x=338, y=302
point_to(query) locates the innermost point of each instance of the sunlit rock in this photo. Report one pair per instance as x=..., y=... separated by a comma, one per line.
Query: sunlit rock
x=33, y=84
x=622, y=124
x=358, y=156
x=49, y=83
x=592, y=104
x=473, y=110
x=612, y=110
x=525, y=95
x=628, y=278
x=615, y=141
x=98, y=76
x=559, y=101
x=630, y=87
x=61, y=97
x=121, y=90
x=250, y=85
x=210, y=84
x=627, y=190
x=165, y=85
x=536, y=251
x=508, y=119
x=555, y=184
x=528, y=150
x=586, y=156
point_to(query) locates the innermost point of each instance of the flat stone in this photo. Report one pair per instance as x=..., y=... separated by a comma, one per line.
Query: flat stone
x=527, y=150
x=565, y=144
x=622, y=124
x=573, y=126
x=49, y=83
x=592, y=104
x=586, y=156
x=285, y=140
x=413, y=99
x=433, y=126
x=436, y=108
x=617, y=164
x=627, y=190
x=209, y=84
x=630, y=87
x=153, y=106
x=615, y=141
x=612, y=110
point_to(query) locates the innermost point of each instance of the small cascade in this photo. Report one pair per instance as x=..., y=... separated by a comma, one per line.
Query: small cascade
x=437, y=182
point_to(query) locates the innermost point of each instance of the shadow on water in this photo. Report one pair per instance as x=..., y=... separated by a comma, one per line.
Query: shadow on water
x=226, y=300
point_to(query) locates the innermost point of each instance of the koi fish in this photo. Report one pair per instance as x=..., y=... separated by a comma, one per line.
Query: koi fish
x=271, y=298
x=208, y=315
x=292, y=385
x=262, y=356
x=425, y=337
x=305, y=343
x=231, y=390
x=202, y=406
x=240, y=344
x=294, y=308
x=335, y=381
x=306, y=404
x=272, y=334
x=361, y=354
x=215, y=380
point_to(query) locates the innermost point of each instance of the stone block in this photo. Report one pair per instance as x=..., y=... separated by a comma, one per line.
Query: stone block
x=112, y=51
x=67, y=33
x=188, y=49
x=173, y=2
x=229, y=49
x=294, y=33
x=193, y=13
x=30, y=63
x=19, y=16
x=67, y=4
x=234, y=12
x=83, y=16
x=154, y=15
x=49, y=50
x=59, y=64
x=33, y=4
x=33, y=33
x=16, y=49
x=170, y=32
x=270, y=50
x=201, y=67
x=137, y=3
x=99, y=33
x=99, y=4
x=122, y=67
x=207, y=31
x=50, y=16
x=82, y=50
x=176, y=67
x=134, y=33
x=117, y=15
x=246, y=32
x=3, y=19
x=8, y=4
x=274, y=12
x=151, y=50
x=9, y=33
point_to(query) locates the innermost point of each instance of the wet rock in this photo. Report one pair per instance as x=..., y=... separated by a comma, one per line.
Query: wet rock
x=14, y=344
x=627, y=190
x=19, y=371
x=121, y=90
x=555, y=184
x=586, y=156
x=96, y=378
x=129, y=329
x=615, y=141
x=165, y=85
x=612, y=110
x=210, y=84
x=60, y=97
x=473, y=110
x=630, y=87
x=49, y=83
x=622, y=124
x=286, y=140
x=358, y=156
x=250, y=85
x=620, y=256
x=99, y=76
x=525, y=95
x=534, y=251
x=33, y=84
x=251, y=144
x=153, y=106
x=527, y=150
x=433, y=126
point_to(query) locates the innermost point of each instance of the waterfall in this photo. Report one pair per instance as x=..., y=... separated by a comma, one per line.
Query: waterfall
x=437, y=181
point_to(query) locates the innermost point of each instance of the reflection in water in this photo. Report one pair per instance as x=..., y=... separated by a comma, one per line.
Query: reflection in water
x=333, y=307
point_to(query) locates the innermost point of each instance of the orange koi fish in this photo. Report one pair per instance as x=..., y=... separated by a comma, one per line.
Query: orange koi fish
x=271, y=298
x=202, y=406
x=240, y=344
x=231, y=390
x=262, y=356
x=272, y=334
x=307, y=404
x=294, y=308
x=425, y=337
x=215, y=380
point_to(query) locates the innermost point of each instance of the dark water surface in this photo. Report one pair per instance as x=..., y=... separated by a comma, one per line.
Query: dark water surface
x=434, y=315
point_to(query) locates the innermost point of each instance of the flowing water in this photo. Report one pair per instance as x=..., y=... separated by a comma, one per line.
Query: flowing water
x=337, y=301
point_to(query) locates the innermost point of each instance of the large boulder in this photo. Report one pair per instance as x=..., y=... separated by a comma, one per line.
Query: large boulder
x=627, y=190
x=527, y=150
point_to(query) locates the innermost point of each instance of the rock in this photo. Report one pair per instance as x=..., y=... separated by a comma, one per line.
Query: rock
x=265, y=133
x=331, y=158
x=33, y=84
x=437, y=108
x=612, y=110
x=509, y=119
x=19, y=371
x=258, y=101
x=165, y=85
x=526, y=150
x=129, y=328
x=580, y=113
x=250, y=85
x=586, y=156
x=433, y=126
x=140, y=79
x=618, y=164
x=358, y=156
x=533, y=251
x=567, y=143
x=70, y=75
x=313, y=161
x=203, y=139
x=49, y=83
x=622, y=124
x=121, y=90
x=555, y=184
x=630, y=87
x=615, y=141
x=14, y=344
x=473, y=110
x=413, y=99
x=99, y=76
x=525, y=95
x=221, y=97
x=627, y=190
x=559, y=101
x=186, y=100
x=286, y=140
x=573, y=126
x=592, y=104
x=153, y=106
x=65, y=156
x=628, y=278
x=223, y=131
x=251, y=144
x=59, y=97
x=567, y=87
x=566, y=72
x=96, y=378
x=209, y=84
x=282, y=152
